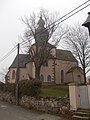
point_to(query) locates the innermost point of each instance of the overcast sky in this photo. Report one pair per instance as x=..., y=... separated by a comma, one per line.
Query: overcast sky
x=11, y=26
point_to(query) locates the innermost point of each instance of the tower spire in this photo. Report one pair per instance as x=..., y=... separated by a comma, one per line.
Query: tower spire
x=41, y=22
x=41, y=32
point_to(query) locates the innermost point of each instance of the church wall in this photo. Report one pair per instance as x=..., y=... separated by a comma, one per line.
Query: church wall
x=59, y=65
x=22, y=76
x=10, y=75
x=47, y=70
x=70, y=77
x=53, y=52
x=75, y=76
x=78, y=76
x=31, y=69
x=63, y=66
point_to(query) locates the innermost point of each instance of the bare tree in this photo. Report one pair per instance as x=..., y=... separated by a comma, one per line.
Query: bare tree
x=41, y=32
x=3, y=74
x=79, y=43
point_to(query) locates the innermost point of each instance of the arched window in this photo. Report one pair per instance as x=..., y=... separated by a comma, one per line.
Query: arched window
x=13, y=74
x=62, y=76
x=49, y=78
x=42, y=77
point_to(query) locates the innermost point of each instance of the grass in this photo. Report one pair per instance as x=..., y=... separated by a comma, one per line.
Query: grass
x=54, y=91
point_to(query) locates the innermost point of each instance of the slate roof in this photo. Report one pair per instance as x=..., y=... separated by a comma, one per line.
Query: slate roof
x=48, y=44
x=65, y=55
x=73, y=68
x=60, y=55
x=23, y=60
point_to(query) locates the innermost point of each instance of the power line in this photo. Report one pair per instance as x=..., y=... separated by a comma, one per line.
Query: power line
x=73, y=14
x=62, y=20
x=71, y=11
x=21, y=50
x=24, y=42
x=11, y=51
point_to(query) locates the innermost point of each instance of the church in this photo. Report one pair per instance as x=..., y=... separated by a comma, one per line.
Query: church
x=61, y=67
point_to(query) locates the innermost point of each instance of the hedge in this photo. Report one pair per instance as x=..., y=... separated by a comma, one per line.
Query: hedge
x=26, y=87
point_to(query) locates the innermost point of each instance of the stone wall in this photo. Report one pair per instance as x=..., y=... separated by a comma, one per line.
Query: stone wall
x=48, y=105
x=7, y=97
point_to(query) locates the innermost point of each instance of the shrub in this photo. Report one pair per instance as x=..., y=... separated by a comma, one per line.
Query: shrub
x=29, y=87
x=1, y=86
x=26, y=87
x=10, y=87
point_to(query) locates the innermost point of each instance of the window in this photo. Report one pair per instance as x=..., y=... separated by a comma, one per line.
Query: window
x=42, y=77
x=49, y=78
x=13, y=74
x=45, y=63
x=62, y=76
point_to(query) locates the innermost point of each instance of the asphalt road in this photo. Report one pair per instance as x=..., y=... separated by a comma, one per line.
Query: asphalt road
x=13, y=112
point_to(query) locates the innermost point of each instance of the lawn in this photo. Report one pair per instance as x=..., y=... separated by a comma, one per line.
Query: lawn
x=54, y=91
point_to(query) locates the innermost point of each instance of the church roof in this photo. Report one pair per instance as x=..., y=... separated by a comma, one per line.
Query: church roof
x=42, y=44
x=65, y=55
x=60, y=55
x=23, y=60
x=74, y=68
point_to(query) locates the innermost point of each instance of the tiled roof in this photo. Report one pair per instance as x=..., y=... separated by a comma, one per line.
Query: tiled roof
x=23, y=60
x=65, y=55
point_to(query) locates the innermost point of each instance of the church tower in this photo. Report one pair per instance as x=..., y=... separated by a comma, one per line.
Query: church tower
x=41, y=32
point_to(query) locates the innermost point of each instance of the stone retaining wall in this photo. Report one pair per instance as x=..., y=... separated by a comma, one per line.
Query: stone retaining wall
x=7, y=97
x=48, y=105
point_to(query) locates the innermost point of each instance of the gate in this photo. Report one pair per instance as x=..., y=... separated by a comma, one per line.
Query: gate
x=83, y=94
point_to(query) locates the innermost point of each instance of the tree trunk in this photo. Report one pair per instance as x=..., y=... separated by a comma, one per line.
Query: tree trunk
x=84, y=72
x=37, y=73
x=84, y=75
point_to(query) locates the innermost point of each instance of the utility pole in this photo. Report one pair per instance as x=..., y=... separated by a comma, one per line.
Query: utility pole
x=17, y=76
